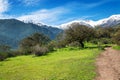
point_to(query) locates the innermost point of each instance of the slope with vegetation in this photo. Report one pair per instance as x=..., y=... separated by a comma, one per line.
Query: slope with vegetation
x=66, y=57
x=66, y=63
x=12, y=31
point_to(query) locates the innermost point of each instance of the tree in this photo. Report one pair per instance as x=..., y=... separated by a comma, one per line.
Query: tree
x=4, y=48
x=36, y=38
x=33, y=40
x=104, y=32
x=116, y=37
x=79, y=33
x=41, y=39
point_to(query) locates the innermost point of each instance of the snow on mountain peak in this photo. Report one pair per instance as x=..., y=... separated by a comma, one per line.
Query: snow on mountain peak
x=27, y=20
x=115, y=16
x=89, y=23
x=110, y=21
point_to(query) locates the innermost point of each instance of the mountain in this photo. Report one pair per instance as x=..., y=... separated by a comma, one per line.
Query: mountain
x=107, y=22
x=12, y=31
x=111, y=21
x=82, y=22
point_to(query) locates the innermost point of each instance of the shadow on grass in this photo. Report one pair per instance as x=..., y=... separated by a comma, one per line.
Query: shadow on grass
x=97, y=47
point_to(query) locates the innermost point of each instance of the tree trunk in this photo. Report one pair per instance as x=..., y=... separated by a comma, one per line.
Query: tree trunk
x=82, y=44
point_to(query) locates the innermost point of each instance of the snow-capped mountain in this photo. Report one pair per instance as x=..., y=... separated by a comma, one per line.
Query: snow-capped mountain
x=106, y=22
x=111, y=21
x=89, y=23
x=32, y=21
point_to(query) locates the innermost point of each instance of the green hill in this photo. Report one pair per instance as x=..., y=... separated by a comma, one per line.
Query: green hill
x=12, y=31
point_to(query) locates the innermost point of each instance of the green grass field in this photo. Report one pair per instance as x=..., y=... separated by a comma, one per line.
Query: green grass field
x=116, y=47
x=64, y=64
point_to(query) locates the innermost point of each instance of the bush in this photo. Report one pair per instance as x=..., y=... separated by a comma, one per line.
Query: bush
x=4, y=49
x=106, y=41
x=94, y=41
x=39, y=51
x=116, y=38
x=3, y=56
x=25, y=51
x=51, y=46
x=14, y=53
x=74, y=44
x=102, y=41
x=60, y=44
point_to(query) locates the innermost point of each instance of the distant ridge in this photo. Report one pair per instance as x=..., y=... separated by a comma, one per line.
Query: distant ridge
x=107, y=22
x=12, y=31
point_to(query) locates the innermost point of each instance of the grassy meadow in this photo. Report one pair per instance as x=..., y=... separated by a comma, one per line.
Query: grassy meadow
x=116, y=47
x=63, y=64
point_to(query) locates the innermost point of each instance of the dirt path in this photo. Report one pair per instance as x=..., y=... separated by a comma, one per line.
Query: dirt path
x=108, y=65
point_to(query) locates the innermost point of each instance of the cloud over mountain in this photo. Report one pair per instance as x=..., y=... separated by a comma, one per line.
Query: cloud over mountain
x=44, y=15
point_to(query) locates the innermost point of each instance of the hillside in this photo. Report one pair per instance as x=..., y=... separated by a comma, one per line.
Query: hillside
x=64, y=64
x=12, y=31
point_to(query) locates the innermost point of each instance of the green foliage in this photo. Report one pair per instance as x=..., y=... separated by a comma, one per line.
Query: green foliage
x=40, y=39
x=51, y=46
x=116, y=47
x=61, y=44
x=74, y=44
x=79, y=33
x=106, y=41
x=3, y=56
x=104, y=32
x=28, y=43
x=4, y=48
x=94, y=41
x=116, y=37
x=33, y=40
x=64, y=64
x=102, y=41
x=39, y=51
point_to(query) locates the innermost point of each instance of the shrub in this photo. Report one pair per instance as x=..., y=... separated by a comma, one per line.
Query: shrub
x=102, y=41
x=14, y=53
x=39, y=51
x=25, y=51
x=51, y=46
x=116, y=37
x=4, y=48
x=3, y=56
x=75, y=44
x=60, y=44
x=94, y=41
x=106, y=41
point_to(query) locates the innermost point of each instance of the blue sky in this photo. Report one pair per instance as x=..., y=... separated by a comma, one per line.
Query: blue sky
x=56, y=12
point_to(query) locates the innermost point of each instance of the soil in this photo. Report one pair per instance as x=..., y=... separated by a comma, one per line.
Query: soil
x=108, y=65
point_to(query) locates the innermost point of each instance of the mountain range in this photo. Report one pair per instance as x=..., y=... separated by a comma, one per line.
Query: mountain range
x=107, y=22
x=12, y=31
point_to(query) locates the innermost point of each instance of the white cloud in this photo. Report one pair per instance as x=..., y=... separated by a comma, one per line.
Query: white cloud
x=83, y=5
x=30, y=2
x=44, y=15
x=4, y=6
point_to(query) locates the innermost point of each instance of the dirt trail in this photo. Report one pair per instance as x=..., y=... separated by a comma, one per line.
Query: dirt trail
x=108, y=65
